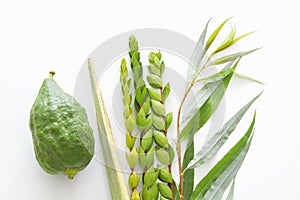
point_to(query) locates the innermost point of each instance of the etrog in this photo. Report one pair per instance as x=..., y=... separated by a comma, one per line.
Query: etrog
x=62, y=137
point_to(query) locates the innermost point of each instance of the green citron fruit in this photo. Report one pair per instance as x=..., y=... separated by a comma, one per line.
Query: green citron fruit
x=62, y=137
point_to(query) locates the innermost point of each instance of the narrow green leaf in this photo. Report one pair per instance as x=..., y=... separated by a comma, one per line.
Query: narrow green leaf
x=242, y=36
x=217, y=190
x=117, y=185
x=218, y=139
x=227, y=42
x=232, y=57
x=214, y=184
x=162, y=68
x=201, y=96
x=166, y=91
x=197, y=55
x=217, y=76
x=169, y=119
x=171, y=153
x=142, y=157
x=158, y=54
x=188, y=176
x=176, y=191
x=207, y=109
x=247, y=78
x=215, y=34
x=210, y=103
x=231, y=191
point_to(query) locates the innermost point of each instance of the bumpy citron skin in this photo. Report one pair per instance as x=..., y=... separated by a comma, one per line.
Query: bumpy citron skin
x=62, y=137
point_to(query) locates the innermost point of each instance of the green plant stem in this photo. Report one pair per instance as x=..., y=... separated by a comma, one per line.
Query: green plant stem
x=178, y=145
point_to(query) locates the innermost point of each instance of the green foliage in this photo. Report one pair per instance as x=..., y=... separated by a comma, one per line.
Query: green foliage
x=219, y=138
x=153, y=121
x=214, y=184
x=206, y=101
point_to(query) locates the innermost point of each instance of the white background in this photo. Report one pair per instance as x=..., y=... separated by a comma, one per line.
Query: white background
x=36, y=36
